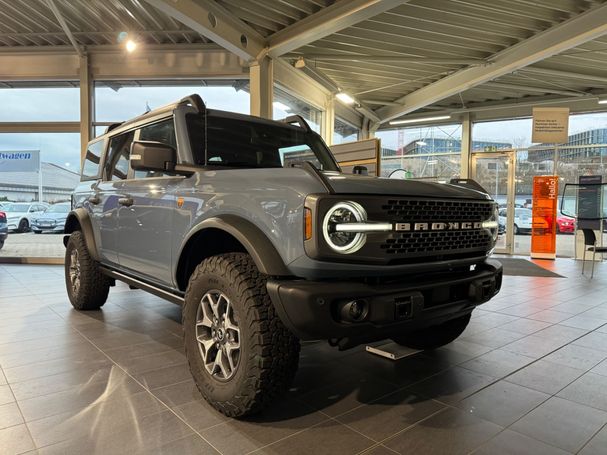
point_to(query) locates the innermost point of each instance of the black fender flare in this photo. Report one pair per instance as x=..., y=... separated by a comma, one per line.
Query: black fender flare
x=79, y=220
x=258, y=245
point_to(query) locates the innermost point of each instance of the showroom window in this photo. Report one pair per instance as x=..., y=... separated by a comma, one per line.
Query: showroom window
x=116, y=101
x=41, y=104
x=286, y=104
x=426, y=153
x=344, y=132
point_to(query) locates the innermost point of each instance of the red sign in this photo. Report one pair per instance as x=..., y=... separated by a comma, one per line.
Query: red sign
x=543, y=228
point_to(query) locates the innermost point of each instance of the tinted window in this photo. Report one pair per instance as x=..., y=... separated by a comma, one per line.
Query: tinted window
x=163, y=132
x=234, y=142
x=117, y=167
x=90, y=168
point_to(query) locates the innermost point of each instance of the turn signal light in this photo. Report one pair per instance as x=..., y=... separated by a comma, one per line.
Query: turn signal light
x=307, y=223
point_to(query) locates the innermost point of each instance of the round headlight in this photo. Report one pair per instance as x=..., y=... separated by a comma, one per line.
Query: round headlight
x=341, y=213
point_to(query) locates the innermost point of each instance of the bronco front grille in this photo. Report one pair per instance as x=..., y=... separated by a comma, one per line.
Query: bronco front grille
x=436, y=210
x=431, y=243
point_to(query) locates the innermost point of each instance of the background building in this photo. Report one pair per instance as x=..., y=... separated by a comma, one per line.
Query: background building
x=57, y=184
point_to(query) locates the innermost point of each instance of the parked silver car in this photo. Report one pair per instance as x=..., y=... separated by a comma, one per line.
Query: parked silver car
x=20, y=214
x=52, y=220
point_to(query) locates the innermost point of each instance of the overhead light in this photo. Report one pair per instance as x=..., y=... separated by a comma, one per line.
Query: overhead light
x=421, y=143
x=421, y=119
x=300, y=63
x=130, y=45
x=603, y=100
x=281, y=106
x=345, y=98
x=432, y=161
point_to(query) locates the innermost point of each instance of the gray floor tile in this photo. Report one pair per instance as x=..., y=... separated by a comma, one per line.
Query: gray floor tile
x=550, y=316
x=448, y=432
x=346, y=395
x=192, y=444
x=510, y=442
x=458, y=352
x=452, y=385
x=590, y=389
x=10, y=415
x=199, y=414
x=278, y=422
x=502, y=403
x=497, y=363
x=493, y=338
x=582, y=321
x=601, y=368
x=327, y=438
x=594, y=340
x=577, y=357
x=534, y=346
x=391, y=414
x=164, y=376
x=154, y=361
x=42, y=369
x=14, y=440
x=525, y=326
x=562, y=423
x=545, y=376
x=178, y=394
x=6, y=396
x=597, y=445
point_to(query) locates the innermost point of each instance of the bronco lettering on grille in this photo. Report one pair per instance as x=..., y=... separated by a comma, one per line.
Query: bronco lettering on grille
x=451, y=226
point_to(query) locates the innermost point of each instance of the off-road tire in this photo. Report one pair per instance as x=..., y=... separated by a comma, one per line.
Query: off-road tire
x=436, y=336
x=269, y=353
x=24, y=226
x=94, y=286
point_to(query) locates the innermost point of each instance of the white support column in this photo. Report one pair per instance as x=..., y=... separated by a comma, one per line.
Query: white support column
x=328, y=121
x=466, y=148
x=87, y=109
x=262, y=87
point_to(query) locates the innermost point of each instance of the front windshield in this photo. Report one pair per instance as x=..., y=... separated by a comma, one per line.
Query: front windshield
x=59, y=208
x=252, y=144
x=16, y=208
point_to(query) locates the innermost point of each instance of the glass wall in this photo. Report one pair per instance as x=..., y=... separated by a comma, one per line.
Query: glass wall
x=428, y=153
x=43, y=104
x=344, y=132
x=116, y=101
x=585, y=153
x=286, y=104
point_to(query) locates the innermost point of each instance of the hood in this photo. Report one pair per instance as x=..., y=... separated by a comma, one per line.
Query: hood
x=52, y=216
x=360, y=184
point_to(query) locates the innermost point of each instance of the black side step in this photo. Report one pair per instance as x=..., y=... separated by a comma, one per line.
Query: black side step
x=134, y=282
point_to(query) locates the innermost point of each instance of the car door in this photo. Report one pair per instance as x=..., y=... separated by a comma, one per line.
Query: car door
x=146, y=223
x=108, y=196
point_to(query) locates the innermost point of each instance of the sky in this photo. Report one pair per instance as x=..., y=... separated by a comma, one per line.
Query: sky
x=62, y=104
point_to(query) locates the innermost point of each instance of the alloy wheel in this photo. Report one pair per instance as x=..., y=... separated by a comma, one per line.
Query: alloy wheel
x=218, y=335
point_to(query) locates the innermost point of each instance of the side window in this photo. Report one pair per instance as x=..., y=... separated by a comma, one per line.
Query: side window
x=164, y=132
x=90, y=167
x=117, y=166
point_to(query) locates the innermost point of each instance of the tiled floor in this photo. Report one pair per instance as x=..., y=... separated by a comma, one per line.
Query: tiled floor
x=528, y=376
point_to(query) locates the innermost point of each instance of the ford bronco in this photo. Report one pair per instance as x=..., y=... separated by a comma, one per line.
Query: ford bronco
x=252, y=228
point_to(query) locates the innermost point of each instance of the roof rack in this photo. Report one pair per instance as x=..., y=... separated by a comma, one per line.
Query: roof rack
x=292, y=119
x=113, y=126
x=194, y=100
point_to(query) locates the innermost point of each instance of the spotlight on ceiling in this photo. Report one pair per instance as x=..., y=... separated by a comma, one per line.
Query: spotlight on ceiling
x=419, y=120
x=603, y=100
x=345, y=98
x=130, y=45
x=299, y=63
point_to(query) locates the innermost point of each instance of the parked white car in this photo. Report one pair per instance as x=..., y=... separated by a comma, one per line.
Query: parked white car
x=522, y=220
x=19, y=215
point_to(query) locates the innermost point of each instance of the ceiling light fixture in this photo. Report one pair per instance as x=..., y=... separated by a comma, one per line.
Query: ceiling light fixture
x=345, y=98
x=421, y=119
x=603, y=100
x=300, y=63
x=130, y=45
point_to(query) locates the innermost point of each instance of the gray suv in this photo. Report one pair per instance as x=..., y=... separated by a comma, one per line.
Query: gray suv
x=252, y=228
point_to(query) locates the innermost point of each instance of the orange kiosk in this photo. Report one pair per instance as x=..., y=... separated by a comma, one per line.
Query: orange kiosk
x=543, y=232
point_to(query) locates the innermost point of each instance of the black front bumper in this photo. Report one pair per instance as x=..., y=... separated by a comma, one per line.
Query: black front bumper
x=314, y=309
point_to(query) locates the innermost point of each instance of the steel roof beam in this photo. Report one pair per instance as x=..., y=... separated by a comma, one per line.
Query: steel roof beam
x=325, y=22
x=571, y=33
x=216, y=23
x=64, y=26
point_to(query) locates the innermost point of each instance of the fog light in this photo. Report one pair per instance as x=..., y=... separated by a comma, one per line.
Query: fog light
x=354, y=311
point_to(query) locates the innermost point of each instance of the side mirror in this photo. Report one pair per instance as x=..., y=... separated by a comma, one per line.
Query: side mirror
x=152, y=156
x=360, y=170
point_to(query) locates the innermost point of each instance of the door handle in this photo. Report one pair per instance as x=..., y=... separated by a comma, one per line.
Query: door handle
x=126, y=201
x=94, y=200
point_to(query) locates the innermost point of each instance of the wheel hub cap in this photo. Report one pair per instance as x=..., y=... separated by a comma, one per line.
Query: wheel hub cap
x=75, y=271
x=218, y=335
